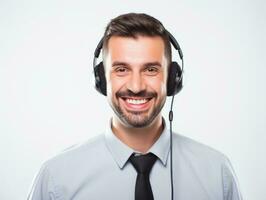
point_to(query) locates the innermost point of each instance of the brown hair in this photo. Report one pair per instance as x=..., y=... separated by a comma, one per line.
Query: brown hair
x=135, y=24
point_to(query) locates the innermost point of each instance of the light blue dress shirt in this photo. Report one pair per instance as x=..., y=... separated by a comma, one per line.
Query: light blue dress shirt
x=99, y=170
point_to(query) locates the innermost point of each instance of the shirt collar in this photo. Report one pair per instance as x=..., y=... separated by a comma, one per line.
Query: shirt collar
x=121, y=152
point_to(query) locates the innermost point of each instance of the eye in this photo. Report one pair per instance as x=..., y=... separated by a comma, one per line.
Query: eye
x=121, y=70
x=151, y=71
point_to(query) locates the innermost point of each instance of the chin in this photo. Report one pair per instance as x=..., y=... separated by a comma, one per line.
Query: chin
x=136, y=120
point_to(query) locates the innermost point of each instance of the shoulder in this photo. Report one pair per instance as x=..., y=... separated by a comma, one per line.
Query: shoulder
x=76, y=154
x=190, y=146
x=72, y=164
x=211, y=167
x=196, y=150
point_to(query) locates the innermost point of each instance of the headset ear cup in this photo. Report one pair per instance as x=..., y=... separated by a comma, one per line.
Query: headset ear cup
x=100, y=80
x=174, y=82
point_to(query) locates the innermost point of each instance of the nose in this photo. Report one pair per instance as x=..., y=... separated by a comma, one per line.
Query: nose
x=136, y=83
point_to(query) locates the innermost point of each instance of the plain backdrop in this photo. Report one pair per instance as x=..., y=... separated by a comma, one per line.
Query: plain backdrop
x=48, y=101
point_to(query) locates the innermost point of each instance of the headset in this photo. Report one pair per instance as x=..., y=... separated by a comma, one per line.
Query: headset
x=175, y=72
x=174, y=86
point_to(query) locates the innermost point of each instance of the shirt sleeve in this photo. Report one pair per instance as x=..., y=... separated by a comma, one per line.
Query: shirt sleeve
x=231, y=189
x=42, y=187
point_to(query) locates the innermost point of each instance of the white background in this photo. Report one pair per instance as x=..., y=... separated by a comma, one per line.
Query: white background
x=48, y=102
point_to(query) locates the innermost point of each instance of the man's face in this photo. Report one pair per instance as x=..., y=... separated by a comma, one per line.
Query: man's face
x=136, y=73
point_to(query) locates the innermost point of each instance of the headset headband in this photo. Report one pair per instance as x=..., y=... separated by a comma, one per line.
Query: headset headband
x=175, y=72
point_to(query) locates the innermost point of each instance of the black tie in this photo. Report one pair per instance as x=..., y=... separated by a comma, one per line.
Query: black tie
x=143, y=165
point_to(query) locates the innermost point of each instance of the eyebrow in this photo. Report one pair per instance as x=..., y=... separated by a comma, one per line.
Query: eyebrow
x=148, y=64
x=115, y=63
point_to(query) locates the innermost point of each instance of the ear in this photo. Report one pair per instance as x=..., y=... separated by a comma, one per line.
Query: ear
x=174, y=82
x=100, y=80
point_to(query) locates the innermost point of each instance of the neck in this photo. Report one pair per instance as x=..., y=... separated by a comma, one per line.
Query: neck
x=139, y=139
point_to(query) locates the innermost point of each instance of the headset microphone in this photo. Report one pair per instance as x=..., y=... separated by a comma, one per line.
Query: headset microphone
x=174, y=85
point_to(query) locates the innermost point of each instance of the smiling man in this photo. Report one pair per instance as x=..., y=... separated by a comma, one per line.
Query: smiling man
x=136, y=71
x=132, y=158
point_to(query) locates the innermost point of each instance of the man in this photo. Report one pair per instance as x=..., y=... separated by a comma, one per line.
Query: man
x=131, y=160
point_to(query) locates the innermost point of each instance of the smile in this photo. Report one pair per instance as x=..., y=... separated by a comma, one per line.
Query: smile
x=139, y=104
x=137, y=101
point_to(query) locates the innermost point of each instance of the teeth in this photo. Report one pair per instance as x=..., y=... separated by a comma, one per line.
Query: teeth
x=137, y=101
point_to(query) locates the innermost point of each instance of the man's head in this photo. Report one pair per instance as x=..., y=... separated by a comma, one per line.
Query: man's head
x=136, y=55
x=133, y=25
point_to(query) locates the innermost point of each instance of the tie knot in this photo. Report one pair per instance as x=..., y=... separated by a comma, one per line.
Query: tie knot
x=143, y=163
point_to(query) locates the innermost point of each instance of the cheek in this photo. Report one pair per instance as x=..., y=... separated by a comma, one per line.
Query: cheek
x=158, y=84
x=114, y=85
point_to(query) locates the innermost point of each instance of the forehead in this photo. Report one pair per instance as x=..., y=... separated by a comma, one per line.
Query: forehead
x=139, y=49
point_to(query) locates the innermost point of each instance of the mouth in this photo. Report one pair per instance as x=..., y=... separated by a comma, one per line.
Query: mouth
x=136, y=103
